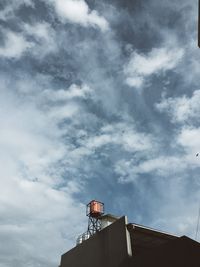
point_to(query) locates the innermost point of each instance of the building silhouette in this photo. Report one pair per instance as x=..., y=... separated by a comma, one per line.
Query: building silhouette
x=123, y=244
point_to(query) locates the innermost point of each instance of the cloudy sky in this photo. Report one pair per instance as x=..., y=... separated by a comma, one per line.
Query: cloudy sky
x=98, y=99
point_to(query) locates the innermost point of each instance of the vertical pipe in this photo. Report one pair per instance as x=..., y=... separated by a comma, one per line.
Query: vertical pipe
x=198, y=221
x=199, y=23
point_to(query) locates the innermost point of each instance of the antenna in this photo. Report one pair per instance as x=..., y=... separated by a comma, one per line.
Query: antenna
x=198, y=221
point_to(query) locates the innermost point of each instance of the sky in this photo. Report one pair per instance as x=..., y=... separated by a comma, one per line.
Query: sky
x=98, y=100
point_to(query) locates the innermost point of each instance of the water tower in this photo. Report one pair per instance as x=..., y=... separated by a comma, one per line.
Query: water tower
x=95, y=209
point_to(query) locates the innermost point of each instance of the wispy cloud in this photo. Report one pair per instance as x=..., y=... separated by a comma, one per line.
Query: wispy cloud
x=142, y=66
x=77, y=11
x=15, y=45
x=181, y=109
x=43, y=38
x=32, y=151
x=36, y=39
x=189, y=139
x=131, y=171
x=73, y=129
x=74, y=91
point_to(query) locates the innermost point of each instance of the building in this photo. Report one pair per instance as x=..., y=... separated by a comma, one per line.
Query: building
x=123, y=244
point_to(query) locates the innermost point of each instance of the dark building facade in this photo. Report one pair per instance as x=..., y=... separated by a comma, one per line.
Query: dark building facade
x=130, y=245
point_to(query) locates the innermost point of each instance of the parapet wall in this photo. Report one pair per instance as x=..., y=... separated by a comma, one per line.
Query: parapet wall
x=107, y=248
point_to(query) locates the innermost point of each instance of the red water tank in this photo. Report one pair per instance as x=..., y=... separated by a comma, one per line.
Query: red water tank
x=95, y=208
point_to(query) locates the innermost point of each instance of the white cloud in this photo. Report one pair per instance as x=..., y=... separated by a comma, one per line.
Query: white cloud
x=63, y=112
x=77, y=11
x=74, y=91
x=161, y=166
x=39, y=30
x=185, y=111
x=74, y=11
x=64, y=100
x=142, y=66
x=189, y=139
x=126, y=172
x=165, y=166
x=181, y=109
x=136, y=81
x=44, y=38
x=33, y=205
x=15, y=45
x=119, y=134
x=42, y=139
x=43, y=41
x=186, y=141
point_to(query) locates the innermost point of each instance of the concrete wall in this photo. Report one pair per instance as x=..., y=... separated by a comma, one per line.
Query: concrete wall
x=108, y=248
x=144, y=239
x=181, y=252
